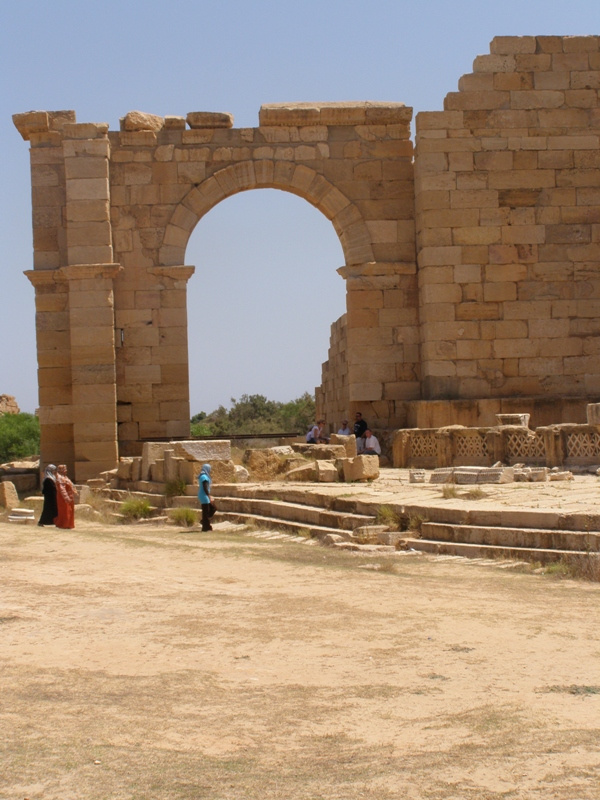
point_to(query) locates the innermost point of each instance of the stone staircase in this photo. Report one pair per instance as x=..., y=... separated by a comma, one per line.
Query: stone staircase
x=350, y=523
x=297, y=512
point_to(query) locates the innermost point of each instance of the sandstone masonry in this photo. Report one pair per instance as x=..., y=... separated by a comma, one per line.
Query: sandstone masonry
x=471, y=263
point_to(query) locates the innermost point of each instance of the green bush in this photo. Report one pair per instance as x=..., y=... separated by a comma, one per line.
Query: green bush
x=19, y=436
x=136, y=508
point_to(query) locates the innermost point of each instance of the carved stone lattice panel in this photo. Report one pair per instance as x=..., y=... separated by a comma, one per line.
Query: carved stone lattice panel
x=583, y=445
x=522, y=446
x=423, y=446
x=470, y=448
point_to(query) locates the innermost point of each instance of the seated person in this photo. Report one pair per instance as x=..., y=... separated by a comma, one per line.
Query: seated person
x=372, y=446
x=316, y=435
x=344, y=430
x=360, y=426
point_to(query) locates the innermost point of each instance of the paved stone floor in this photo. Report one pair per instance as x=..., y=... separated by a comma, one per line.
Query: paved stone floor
x=580, y=495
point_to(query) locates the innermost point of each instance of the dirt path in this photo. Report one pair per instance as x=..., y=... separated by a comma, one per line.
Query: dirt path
x=151, y=663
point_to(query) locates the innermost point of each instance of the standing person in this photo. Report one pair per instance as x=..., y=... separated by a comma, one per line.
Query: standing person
x=49, y=509
x=372, y=446
x=65, y=499
x=208, y=508
x=344, y=430
x=360, y=426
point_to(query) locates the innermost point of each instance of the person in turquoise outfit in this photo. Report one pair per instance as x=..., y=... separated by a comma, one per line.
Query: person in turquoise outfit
x=204, y=497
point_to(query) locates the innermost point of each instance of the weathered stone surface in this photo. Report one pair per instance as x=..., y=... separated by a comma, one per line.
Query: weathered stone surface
x=241, y=474
x=361, y=468
x=124, y=469
x=223, y=471
x=593, y=413
x=326, y=472
x=8, y=405
x=209, y=119
x=141, y=121
x=9, y=498
x=416, y=476
x=348, y=442
x=307, y=472
x=203, y=450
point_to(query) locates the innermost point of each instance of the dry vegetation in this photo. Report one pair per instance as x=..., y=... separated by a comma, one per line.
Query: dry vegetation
x=144, y=662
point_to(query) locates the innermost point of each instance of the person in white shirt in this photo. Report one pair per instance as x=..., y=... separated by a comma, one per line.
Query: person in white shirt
x=344, y=430
x=372, y=446
x=315, y=435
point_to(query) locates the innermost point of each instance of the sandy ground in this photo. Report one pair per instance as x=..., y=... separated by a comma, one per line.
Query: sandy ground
x=141, y=662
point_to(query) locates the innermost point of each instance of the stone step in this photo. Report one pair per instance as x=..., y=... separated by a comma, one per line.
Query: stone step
x=465, y=550
x=275, y=523
x=304, y=514
x=529, y=538
x=156, y=500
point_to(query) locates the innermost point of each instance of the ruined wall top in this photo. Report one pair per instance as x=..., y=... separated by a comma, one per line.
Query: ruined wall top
x=272, y=114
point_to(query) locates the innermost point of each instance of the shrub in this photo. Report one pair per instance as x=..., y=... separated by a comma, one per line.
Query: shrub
x=175, y=488
x=136, y=508
x=387, y=516
x=414, y=523
x=183, y=516
x=19, y=436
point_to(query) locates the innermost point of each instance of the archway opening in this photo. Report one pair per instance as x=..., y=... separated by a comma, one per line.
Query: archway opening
x=263, y=299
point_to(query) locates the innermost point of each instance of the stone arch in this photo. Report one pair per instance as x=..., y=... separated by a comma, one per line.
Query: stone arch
x=285, y=175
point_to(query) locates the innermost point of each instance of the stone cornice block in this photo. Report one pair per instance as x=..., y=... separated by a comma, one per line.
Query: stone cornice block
x=342, y=113
x=209, y=119
x=31, y=122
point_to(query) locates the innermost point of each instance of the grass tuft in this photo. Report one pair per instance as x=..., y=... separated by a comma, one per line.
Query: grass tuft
x=186, y=517
x=136, y=508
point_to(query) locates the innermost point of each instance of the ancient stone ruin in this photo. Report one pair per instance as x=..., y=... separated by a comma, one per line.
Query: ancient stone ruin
x=471, y=257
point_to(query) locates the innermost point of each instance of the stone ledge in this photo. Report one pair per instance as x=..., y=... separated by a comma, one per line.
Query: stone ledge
x=353, y=113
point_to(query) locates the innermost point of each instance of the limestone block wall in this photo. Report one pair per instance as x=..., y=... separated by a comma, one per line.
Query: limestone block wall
x=508, y=225
x=331, y=397
x=471, y=264
x=113, y=212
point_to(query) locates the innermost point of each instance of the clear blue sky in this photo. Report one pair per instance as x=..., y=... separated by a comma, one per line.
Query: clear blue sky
x=266, y=289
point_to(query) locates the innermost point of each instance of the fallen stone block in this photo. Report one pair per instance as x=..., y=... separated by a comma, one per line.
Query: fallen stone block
x=368, y=534
x=348, y=442
x=561, y=476
x=124, y=469
x=327, y=472
x=361, y=468
x=8, y=495
x=416, y=476
x=307, y=472
x=241, y=474
x=202, y=450
x=440, y=475
x=282, y=450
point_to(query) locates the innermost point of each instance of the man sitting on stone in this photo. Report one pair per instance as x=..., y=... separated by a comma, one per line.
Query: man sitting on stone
x=360, y=426
x=372, y=446
x=344, y=430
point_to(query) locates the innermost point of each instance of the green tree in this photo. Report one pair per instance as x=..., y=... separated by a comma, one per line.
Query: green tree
x=256, y=414
x=19, y=436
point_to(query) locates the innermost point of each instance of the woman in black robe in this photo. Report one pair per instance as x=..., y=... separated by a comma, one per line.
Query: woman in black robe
x=50, y=508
